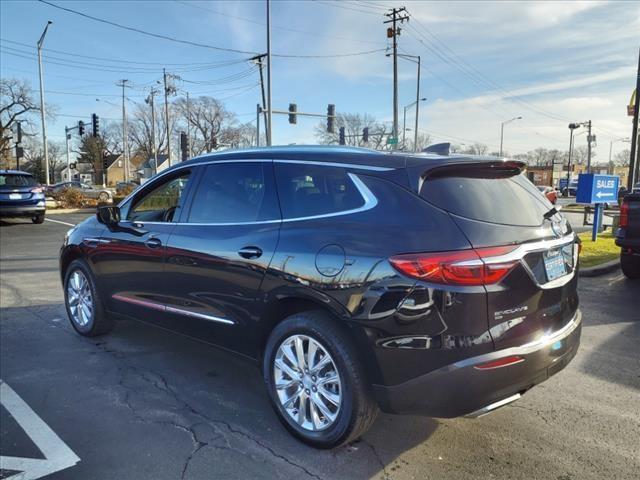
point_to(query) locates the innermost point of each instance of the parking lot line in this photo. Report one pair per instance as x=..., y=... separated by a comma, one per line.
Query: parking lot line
x=59, y=221
x=58, y=456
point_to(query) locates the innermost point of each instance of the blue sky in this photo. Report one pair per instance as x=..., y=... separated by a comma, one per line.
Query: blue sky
x=484, y=62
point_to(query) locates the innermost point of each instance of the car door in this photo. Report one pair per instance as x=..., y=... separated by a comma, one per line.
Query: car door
x=129, y=259
x=218, y=254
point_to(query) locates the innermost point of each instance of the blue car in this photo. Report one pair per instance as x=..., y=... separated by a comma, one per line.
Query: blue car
x=21, y=196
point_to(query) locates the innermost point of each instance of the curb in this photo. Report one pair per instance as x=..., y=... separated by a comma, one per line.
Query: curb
x=60, y=211
x=600, y=269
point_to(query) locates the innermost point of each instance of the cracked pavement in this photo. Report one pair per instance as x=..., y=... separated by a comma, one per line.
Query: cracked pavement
x=143, y=403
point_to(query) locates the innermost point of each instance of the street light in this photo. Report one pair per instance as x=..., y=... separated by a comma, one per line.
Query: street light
x=42, y=112
x=502, y=130
x=626, y=140
x=404, y=125
x=572, y=127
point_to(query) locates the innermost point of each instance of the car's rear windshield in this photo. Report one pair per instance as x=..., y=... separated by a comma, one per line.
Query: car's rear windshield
x=503, y=198
x=11, y=180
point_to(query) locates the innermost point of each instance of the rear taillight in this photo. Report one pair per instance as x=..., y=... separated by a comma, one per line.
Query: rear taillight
x=624, y=214
x=37, y=190
x=481, y=266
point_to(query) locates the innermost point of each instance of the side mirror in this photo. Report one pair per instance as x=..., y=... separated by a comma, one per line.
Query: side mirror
x=109, y=215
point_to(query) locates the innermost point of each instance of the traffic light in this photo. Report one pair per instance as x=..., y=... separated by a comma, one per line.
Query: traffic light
x=331, y=117
x=293, y=108
x=81, y=128
x=104, y=163
x=18, y=132
x=365, y=134
x=342, y=137
x=95, y=122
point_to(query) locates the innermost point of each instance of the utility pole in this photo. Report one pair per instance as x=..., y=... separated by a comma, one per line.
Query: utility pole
x=634, y=158
x=42, y=110
x=125, y=150
x=188, y=125
x=269, y=117
x=415, y=133
x=258, y=111
x=151, y=101
x=67, y=137
x=396, y=15
x=589, y=146
x=166, y=114
x=260, y=63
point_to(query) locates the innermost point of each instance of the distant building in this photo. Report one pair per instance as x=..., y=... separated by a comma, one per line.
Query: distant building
x=147, y=170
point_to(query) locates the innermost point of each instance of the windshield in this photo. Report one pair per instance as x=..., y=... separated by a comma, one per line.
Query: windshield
x=12, y=180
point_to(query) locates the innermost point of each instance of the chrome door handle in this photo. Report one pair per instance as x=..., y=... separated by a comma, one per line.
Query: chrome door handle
x=153, y=242
x=250, y=252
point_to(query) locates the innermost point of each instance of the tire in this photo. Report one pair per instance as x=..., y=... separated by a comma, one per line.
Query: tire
x=357, y=408
x=97, y=323
x=630, y=265
x=103, y=197
x=38, y=218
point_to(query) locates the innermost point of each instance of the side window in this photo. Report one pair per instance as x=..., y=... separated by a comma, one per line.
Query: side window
x=235, y=193
x=309, y=190
x=159, y=204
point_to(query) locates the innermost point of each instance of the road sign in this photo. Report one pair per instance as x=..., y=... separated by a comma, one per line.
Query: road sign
x=392, y=141
x=593, y=188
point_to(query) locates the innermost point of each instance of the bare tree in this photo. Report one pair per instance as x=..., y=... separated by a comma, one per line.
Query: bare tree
x=141, y=132
x=209, y=122
x=17, y=103
x=622, y=158
x=34, y=156
x=476, y=149
x=354, y=124
x=424, y=140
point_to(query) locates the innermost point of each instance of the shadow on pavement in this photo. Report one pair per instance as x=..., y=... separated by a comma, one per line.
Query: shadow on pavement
x=139, y=378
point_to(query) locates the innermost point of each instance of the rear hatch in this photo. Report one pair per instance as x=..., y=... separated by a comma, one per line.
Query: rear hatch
x=17, y=188
x=495, y=205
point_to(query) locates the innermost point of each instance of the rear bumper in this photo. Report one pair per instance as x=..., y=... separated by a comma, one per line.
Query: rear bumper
x=20, y=210
x=460, y=389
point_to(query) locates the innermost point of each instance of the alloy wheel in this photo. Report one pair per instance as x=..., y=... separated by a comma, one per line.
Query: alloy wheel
x=79, y=299
x=307, y=382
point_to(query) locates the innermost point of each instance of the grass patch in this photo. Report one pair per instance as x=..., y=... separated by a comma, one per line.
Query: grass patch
x=601, y=251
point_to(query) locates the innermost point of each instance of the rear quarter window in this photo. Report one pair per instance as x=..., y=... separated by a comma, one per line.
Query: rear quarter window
x=507, y=200
x=312, y=190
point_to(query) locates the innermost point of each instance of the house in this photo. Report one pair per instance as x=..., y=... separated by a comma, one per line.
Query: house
x=78, y=171
x=147, y=170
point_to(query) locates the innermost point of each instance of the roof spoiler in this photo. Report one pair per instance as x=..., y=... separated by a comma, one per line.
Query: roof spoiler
x=438, y=148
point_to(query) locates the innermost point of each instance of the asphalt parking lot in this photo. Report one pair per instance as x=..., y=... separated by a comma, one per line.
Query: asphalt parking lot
x=142, y=403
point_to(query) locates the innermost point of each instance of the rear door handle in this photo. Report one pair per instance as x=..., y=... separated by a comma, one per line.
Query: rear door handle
x=250, y=252
x=153, y=242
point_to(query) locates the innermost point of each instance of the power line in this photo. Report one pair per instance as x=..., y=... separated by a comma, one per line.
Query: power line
x=192, y=43
x=262, y=24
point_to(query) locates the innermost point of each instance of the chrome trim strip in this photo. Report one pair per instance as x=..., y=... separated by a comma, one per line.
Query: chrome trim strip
x=139, y=302
x=167, y=308
x=370, y=201
x=203, y=316
x=525, y=349
x=96, y=240
x=489, y=408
